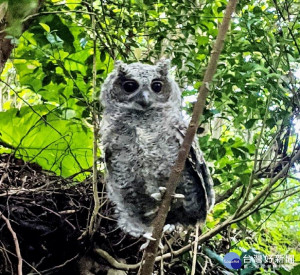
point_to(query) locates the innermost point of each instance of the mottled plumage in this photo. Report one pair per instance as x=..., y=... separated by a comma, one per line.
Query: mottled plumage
x=141, y=132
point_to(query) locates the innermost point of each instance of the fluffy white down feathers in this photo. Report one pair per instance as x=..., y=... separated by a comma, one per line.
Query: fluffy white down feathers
x=142, y=129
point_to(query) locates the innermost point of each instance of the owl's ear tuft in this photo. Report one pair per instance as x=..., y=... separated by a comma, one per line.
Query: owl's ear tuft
x=163, y=66
x=120, y=66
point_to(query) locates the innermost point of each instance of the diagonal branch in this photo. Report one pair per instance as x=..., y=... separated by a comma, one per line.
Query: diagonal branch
x=159, y=221
x=281, y=174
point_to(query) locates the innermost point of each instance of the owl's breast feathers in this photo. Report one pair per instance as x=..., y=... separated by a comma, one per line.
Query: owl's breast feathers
x=140, y=152
x=148, y=144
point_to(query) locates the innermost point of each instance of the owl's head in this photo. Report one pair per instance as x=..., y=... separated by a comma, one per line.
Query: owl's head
x=140, y=87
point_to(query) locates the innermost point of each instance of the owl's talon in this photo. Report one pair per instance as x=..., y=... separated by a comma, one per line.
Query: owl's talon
x=169, y=228
x=178, y=196
x=151, y=212
x=144, y=245
x=162, y=189
x=156, y=196
x=148, y=236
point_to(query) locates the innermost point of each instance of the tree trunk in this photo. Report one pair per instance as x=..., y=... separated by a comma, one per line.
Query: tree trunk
x=6, y=46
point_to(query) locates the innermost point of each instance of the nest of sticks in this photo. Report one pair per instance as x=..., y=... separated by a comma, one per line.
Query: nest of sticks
x=44, y=221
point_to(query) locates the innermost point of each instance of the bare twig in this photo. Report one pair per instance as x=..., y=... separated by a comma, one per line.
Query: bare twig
x=227, y=194
x=280, y=175
x=61, y=265
x=251, y=180
x=94, y=218
x=25, y=262
x=290, y=31
x=206, y=260
x=195, y=250
x=64, y=12
x=280, y=199
x=113, y=262
x=159, y=221
x=42, y=118
x=162, y=264
x=54, y=213
x=15, y=238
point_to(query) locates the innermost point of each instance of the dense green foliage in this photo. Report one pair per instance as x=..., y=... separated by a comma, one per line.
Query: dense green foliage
x=248, y=131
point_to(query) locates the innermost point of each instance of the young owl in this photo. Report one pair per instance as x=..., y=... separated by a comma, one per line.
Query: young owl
x=141, y=132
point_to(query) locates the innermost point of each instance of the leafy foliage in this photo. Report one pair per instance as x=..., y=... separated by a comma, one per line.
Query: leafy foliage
x=64, y=151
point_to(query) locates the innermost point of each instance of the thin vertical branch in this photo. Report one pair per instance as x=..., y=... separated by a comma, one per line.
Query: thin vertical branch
x=195, y=250
x=251, y=180
x=94, y=218
x=159, y=221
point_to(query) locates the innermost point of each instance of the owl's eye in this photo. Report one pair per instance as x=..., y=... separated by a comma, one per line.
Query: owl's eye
x=130, y=86
x=156, y=86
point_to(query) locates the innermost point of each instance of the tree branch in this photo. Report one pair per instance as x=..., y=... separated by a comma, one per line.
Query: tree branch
x=6, y=46
x=228, y=193
x=113, y=262
x=15, y=238
x=159, y=221
x=280, y=175
x=94, y=221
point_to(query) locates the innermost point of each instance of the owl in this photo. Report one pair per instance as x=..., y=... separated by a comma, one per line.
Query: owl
x=142, y=129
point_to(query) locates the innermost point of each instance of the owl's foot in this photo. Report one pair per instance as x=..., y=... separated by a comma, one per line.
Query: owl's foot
x=156, y=196
x=116, y=214
x=145, y=245
x=178, y=196
x=162, y=189
x=148, y=237
x=151, y=212
x=169, y=228
x=159, y=195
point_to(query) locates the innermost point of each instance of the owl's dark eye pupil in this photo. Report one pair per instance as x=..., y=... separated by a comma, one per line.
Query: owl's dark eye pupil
x=156, y=86
x=130, y=86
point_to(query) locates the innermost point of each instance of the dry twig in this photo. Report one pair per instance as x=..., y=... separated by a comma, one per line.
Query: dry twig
x=15, y=238
x=195, y=250
x=94, y=222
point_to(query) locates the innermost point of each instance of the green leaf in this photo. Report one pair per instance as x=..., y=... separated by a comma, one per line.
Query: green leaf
x=45, y=27
x=249, y=124
x=102, y=56
x=56, y=144
x=238, y=153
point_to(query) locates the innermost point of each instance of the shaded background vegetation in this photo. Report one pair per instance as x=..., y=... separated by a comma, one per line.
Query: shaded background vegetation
x=248, y=133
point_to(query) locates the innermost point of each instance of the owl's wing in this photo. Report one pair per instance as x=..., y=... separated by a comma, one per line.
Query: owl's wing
x=197, y=162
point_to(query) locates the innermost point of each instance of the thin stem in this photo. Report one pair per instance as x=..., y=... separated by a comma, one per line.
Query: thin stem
x=251, y=180
x=94, y=218
x=195, y=250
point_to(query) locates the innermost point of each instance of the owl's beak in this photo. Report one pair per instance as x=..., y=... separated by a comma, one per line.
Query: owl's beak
x=143, y=99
